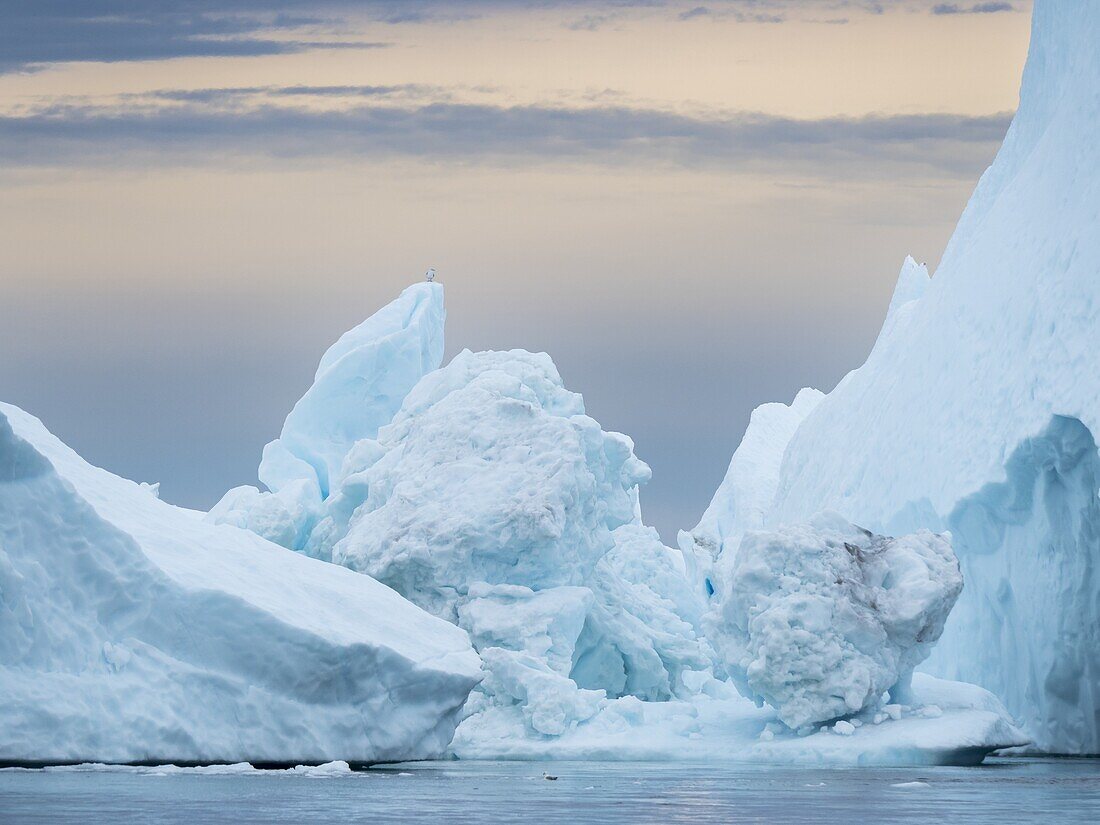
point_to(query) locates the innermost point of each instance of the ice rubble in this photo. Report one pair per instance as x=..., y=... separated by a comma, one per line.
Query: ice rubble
x=978, y=408
x=131, y=630
x=819, y=620
x=492, y=500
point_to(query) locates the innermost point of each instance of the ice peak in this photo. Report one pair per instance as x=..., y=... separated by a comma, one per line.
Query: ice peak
x=359, y=386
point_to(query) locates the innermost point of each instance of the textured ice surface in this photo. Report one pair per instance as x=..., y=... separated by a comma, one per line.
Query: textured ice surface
x=131, y=630
x=359, y=385
x=944, y=723
x=493, y=501
x=820, y=619
x=978, y=409
x=491, y=473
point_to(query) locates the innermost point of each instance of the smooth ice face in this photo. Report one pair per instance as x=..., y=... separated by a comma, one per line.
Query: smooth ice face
x=819, y=620
x=131, y=630
x=978, y=410
x=359, y=385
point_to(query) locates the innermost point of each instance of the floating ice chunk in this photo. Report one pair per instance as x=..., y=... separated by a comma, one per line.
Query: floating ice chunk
x=550, y=703
x=819, y=620
x=639, y=639
x=131, y=630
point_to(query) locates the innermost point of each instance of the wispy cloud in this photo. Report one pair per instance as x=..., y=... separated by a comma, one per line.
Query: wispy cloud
x=33, y=34
x=213, y=126
x=692, y=13
x=975, y=8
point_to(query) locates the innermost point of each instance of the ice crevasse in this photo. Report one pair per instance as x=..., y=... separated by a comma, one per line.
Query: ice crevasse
x=978, y=410
x=134, y=631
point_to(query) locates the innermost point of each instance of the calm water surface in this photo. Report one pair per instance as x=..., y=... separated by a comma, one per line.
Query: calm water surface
x=1004, y=790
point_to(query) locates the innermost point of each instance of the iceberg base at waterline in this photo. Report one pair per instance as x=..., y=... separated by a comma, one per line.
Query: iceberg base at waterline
x=948, y=723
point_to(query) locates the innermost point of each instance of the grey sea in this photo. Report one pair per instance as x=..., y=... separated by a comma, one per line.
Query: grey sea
x=1001, y=791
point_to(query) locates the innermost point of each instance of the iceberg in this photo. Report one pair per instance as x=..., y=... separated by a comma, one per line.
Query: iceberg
x=135, y=631
x=978, y=409
x=492, y=500
x=743, y=499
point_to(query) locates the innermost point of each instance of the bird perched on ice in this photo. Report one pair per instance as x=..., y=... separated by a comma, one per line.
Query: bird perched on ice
x=429, y=276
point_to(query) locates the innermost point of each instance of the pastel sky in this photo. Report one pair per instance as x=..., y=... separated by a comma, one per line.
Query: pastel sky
x=693, y=207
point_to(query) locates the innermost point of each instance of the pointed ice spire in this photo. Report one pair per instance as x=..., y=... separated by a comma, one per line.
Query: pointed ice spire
x=360, y=383
x=912, y=283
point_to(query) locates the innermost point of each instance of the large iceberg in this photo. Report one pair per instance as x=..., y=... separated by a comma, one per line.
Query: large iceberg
x=132, y=630
x=491, y=499
x=978, y=409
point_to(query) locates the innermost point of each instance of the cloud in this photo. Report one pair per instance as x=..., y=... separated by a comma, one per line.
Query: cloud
x=219, y=126
x=976, y=8
x=691, y=14
x=37, y=33
x=590, y=22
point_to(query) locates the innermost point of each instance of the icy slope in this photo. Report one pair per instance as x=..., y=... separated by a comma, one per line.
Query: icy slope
x=133, y=630
x=978, y=409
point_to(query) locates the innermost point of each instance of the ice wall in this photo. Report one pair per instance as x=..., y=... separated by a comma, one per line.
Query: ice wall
x=977, y=410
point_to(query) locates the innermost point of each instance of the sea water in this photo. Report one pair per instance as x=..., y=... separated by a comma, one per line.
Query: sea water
x=1003, y=790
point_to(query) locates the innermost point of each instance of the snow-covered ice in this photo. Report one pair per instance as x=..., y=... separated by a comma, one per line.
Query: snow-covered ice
x=490, y=472
x=978, y=409
x=819, y=620
x=131, y=630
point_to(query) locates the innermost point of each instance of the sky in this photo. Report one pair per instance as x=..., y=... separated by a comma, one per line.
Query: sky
x=694, y=208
